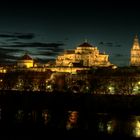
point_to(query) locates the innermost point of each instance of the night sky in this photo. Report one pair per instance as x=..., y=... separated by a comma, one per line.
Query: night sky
x=46, y=29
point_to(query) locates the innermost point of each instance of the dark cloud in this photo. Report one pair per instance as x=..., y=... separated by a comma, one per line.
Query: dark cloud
x=6, y=36
x=110, y=44
x=7, y=50
x=52, y=49
x=48, y=53
x=25, y=36
x=12, y=39
x=3, y=43
x=17, y=42
x=14, y=58
x=36, y=44
x=17, y=36
x=42, y=48
x=6, y=55
x=44, y=51
x=6, y=58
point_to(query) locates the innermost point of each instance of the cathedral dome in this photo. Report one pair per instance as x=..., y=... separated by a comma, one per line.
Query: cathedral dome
x=25, y=61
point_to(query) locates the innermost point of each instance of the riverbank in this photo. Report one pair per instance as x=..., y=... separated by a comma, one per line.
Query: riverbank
x=70, y=101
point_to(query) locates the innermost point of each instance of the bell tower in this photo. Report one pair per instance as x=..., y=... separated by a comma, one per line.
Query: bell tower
x=135, y=53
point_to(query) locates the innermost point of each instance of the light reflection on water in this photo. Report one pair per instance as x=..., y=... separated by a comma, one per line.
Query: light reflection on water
x=133, y=126
x=136, y=129
x=72, y=120
x=110, y=126
x=100, y=123
x=106, y=123
x=128, y=125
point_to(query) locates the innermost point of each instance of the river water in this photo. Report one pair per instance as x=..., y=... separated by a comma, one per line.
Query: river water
x=116, y=125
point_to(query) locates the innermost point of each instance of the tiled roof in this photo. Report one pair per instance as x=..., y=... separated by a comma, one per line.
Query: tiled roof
x=26, y=57
x=85, y=44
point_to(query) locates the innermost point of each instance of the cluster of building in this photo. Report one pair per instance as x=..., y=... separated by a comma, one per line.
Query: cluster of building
x=83, y=57
x=74, y=70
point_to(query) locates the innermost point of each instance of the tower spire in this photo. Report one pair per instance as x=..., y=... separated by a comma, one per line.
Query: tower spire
x=135, y=53
x=136, y=43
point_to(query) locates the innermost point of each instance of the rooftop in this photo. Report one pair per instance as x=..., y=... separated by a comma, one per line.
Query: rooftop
x=26, y=57
x=85, y=44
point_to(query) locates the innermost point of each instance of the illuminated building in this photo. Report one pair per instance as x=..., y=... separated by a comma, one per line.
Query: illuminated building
x=25, y=62
x=3, y=70
x=135, y=53
x=84, y=55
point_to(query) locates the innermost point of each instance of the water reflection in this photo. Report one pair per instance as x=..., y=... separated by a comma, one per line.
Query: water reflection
x=136, y=130
x=106, y=123
x=99, y=123
x=20, y=116
x=45, y=116
x=128, y=125
x=72, y=120
x=133, y=126
x=111, y=126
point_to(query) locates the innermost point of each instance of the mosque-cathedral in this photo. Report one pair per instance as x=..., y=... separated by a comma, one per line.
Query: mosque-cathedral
x=83, y=57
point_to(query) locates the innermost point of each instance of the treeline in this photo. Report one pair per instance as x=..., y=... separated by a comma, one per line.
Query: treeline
x=123, y=81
